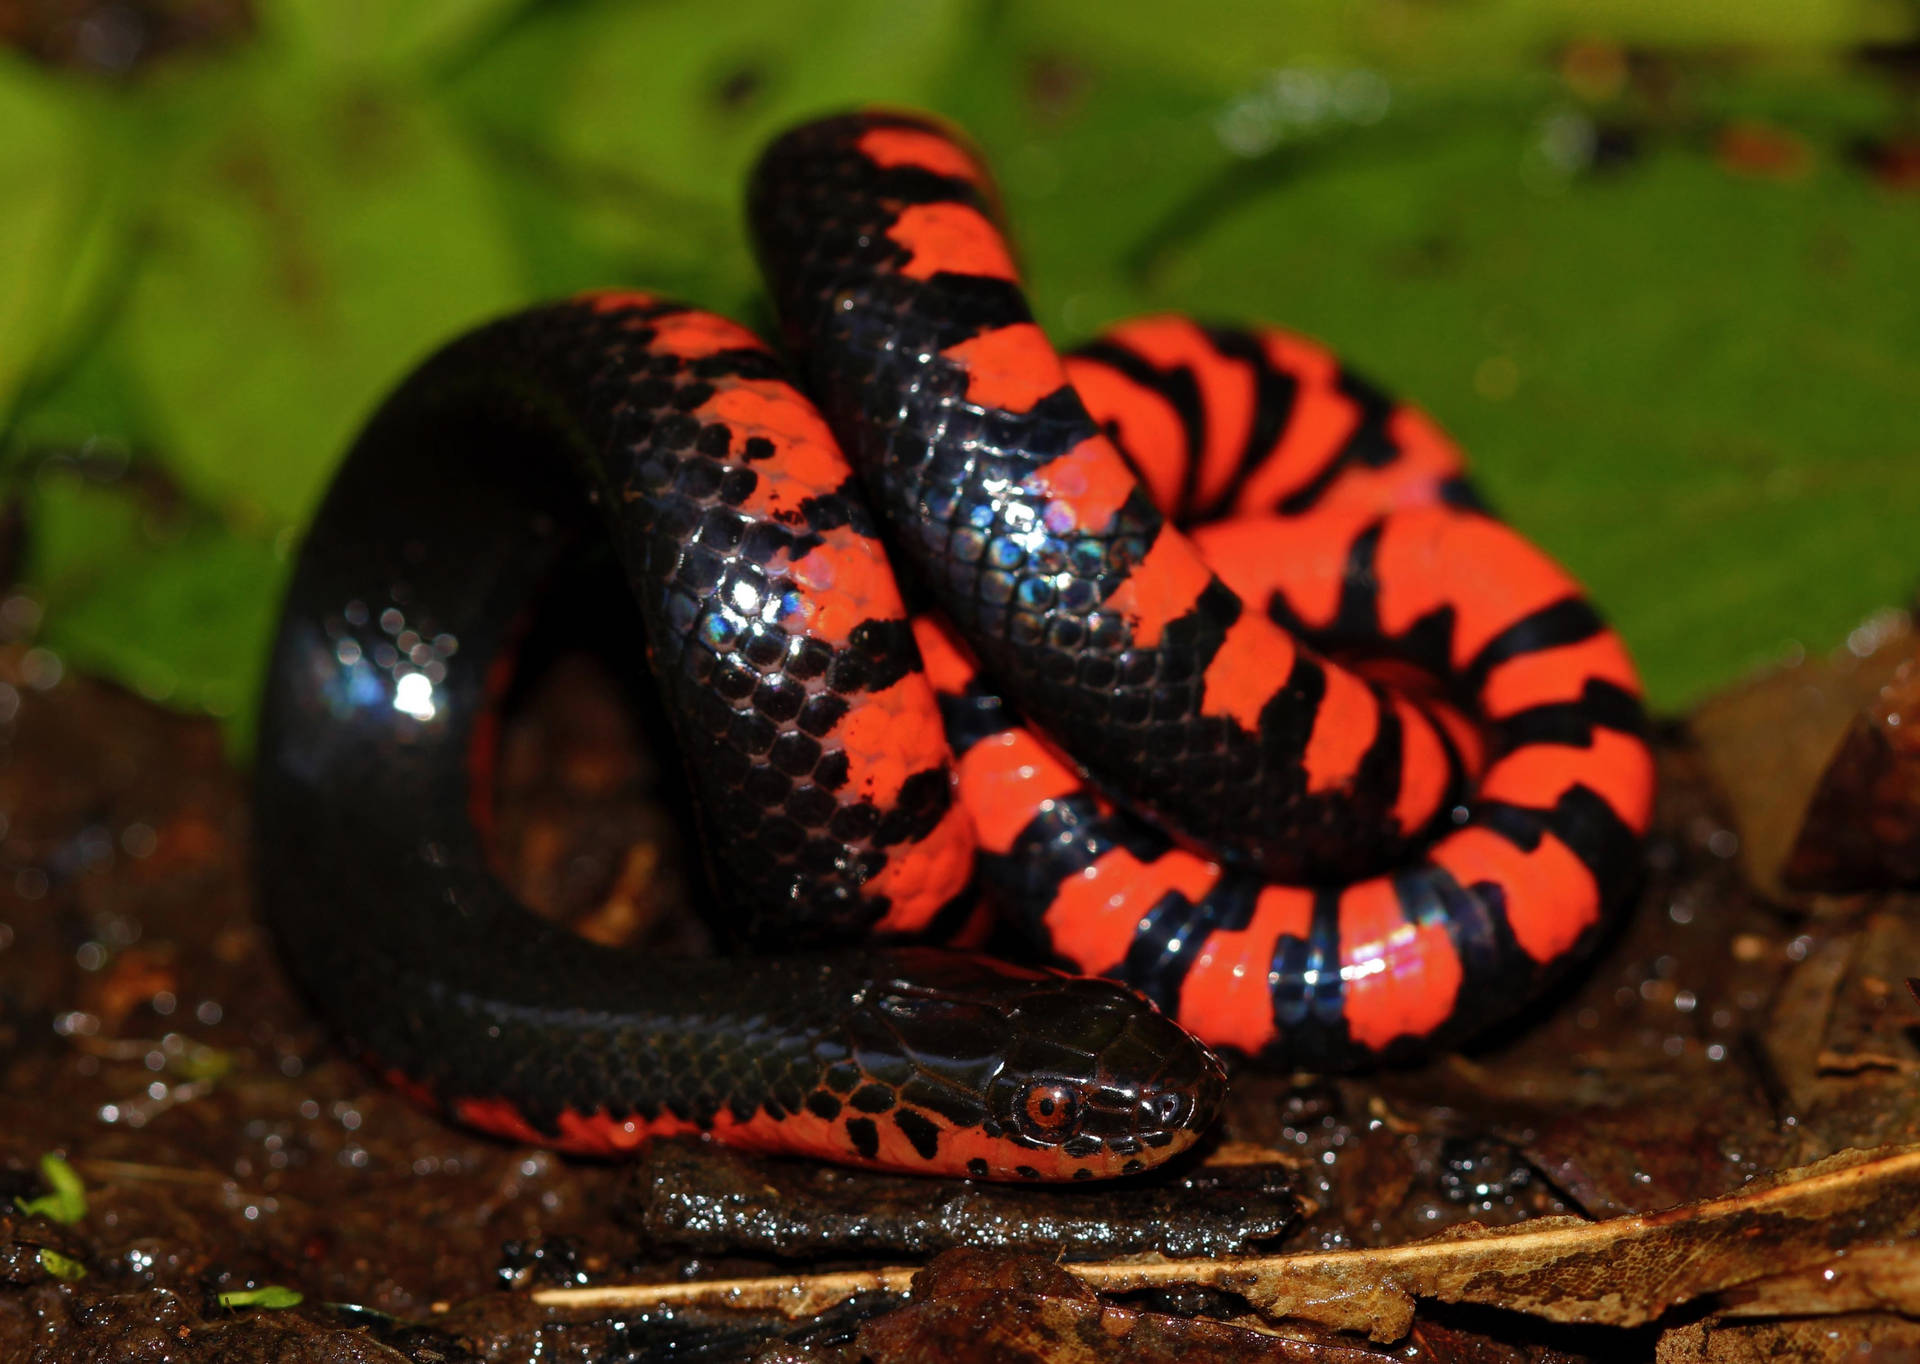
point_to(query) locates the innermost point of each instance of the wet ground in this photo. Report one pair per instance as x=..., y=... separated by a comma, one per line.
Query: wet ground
x=223, y=1145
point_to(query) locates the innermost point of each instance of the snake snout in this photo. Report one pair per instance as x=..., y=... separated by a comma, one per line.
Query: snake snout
x=1174, y=1082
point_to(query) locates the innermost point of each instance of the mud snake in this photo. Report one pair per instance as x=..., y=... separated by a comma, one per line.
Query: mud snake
x=1354, y=768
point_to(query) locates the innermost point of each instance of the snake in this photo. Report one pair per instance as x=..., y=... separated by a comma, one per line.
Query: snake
x=1190, y=655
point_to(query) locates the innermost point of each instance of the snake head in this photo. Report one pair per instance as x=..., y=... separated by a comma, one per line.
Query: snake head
x=1021, y=1074
x=1097, y=1082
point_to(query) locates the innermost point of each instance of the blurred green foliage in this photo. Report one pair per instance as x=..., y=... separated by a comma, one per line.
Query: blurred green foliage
x=1690, y=371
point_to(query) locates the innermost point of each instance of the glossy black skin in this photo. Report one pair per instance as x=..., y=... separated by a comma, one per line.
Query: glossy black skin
x=468, y=489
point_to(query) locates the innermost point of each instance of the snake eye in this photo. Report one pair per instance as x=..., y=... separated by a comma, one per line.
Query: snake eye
x=1047, y=1111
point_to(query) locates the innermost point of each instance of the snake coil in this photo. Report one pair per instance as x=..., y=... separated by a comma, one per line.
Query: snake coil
x=1233, y=692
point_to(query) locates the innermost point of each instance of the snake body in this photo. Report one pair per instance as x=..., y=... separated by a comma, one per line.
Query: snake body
x=1233, y=692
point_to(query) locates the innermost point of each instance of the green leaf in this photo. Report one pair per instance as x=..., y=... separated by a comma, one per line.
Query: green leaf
x=1690, y=385
x=66, y=1199
x=1229, y=43
x=173, y=601
x=302, y=258
x=678, y=99
x=350, y=33
x=199, y=1064
x=63, y=230
x=63, y=1267
x=272, y=1296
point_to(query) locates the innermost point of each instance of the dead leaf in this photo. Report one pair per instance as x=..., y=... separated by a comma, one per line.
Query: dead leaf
x=1009, y=1328
x=1621, y=1272
x=1768, y=741
x=1862, y=826
x=1869, y=1279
